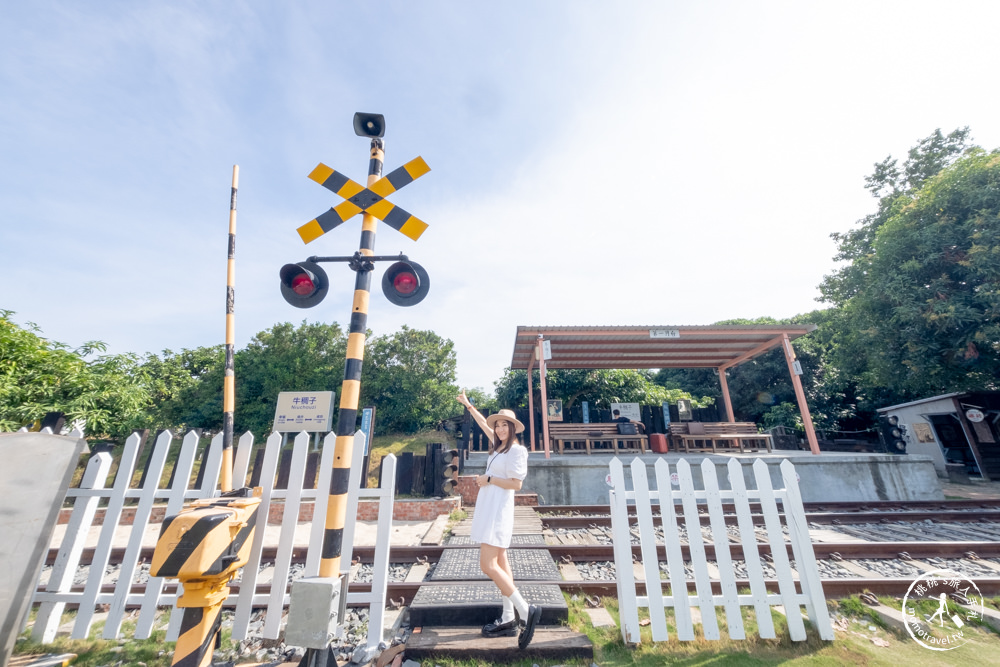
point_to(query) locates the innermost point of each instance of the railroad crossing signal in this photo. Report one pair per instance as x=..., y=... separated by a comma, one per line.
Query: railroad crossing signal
x=371, y=200
x=405, y=283
x=447, y=482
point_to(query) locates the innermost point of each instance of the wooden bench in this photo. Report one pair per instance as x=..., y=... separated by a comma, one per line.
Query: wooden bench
x=592, y=435
x=687, y=435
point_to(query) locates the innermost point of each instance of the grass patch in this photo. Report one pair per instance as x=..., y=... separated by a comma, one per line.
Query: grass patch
x=94, y=651
x=853, y=626
x=97, y=652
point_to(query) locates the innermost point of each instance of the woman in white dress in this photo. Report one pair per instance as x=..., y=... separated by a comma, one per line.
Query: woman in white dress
x=493, y=521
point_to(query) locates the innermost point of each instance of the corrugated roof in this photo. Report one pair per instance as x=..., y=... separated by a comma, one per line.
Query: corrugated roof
x=660, y=346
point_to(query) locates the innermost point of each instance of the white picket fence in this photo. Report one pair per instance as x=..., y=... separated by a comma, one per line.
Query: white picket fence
x=663, y=500
x=58, y=591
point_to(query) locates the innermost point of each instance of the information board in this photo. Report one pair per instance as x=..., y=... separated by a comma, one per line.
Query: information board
x=310, y=411
x=629, y=410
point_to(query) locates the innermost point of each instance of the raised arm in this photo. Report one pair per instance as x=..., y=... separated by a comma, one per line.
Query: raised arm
x=464, y=400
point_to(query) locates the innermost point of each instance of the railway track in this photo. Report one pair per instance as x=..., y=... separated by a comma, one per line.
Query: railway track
x=892, y=537
x=957, y=511
x=401, y=592
x=598, y=552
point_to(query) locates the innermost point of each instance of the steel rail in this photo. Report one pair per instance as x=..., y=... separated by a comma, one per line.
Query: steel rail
x=402, y=592
x=852, y=506
x=600, y=552
x=831, y=518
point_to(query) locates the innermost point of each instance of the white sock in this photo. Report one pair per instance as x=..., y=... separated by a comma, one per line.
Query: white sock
x=508, y=610
x=519, y=604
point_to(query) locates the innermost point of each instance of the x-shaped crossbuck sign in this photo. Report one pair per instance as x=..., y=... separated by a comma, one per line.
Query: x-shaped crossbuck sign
x=370, y=200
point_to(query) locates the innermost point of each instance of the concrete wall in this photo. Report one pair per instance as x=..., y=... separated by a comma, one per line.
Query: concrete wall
x=829, y=477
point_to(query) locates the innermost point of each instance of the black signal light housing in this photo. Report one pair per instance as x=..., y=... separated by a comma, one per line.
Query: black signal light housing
x=304, y=284
x=405, y=283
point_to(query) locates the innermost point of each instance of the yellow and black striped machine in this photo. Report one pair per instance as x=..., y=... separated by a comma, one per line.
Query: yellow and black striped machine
x=203, y=547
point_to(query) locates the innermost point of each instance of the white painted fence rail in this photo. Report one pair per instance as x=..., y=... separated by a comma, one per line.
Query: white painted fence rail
x=664, y=501
x=126, y=592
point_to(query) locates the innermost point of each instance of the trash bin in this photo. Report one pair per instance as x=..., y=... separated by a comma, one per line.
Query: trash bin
x=658, y=442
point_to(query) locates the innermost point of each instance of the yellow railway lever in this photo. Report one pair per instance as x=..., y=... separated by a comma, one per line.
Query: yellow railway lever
x=203, y=546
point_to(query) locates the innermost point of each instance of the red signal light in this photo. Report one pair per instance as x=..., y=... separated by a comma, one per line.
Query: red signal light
x=405, y=282
x=303, y=285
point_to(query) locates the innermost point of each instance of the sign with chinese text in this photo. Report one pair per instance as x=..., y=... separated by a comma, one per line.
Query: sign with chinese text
x=664, y=333
x=310, y=411
x=628, y=410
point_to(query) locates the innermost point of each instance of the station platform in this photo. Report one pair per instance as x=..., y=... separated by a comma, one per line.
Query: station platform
x=575, y=479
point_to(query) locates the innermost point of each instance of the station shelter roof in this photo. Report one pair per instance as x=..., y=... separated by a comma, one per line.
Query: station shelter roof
x=709, y=346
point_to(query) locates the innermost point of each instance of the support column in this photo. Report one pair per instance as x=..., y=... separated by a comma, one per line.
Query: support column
x=970, y=436
x=531, y=409
x=544, y=406
x=350, y=392
x=800, y=395
x=725, y=394
x=229, y=375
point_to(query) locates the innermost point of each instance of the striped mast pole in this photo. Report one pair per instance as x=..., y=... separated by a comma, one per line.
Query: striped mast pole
x=350, y=391
x=229, y=381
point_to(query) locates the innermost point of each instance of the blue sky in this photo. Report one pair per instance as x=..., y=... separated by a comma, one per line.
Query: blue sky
x=601, y=163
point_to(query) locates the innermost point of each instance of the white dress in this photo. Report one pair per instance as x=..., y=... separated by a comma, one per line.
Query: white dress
x=493, y=520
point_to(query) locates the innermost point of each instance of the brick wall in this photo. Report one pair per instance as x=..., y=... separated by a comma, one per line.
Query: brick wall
x=468, y=490
x=411, y=510
x=403, y=510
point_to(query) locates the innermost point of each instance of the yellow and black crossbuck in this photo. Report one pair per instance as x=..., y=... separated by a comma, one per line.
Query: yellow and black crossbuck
x=370, y=200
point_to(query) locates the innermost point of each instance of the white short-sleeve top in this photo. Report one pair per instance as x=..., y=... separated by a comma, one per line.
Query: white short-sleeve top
x=493, y=520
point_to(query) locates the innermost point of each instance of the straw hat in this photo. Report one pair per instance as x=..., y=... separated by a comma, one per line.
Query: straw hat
x=507, y=415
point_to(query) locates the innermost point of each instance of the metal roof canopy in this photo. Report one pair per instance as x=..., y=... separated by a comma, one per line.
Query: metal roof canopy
x=712, y=346
x=644, y=347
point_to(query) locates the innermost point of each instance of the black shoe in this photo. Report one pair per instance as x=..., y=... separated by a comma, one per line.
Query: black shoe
x=528, y=631
x=500, y=629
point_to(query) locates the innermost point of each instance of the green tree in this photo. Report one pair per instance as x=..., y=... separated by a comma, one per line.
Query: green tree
x=919, y=304
x=600, y=387
x=757, y=387
x=185, y=388
x=309, y=357
x=410, y=378
x=890, y=184
x=39, y=376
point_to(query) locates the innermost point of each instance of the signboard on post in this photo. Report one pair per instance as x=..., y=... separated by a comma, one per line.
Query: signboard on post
x=310, y=411
x=367, y=414
x=628, y=410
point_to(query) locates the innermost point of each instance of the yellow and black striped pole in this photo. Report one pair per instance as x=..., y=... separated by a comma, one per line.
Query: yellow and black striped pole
x=350, y=391
x=199, y=633
x=229, y=381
